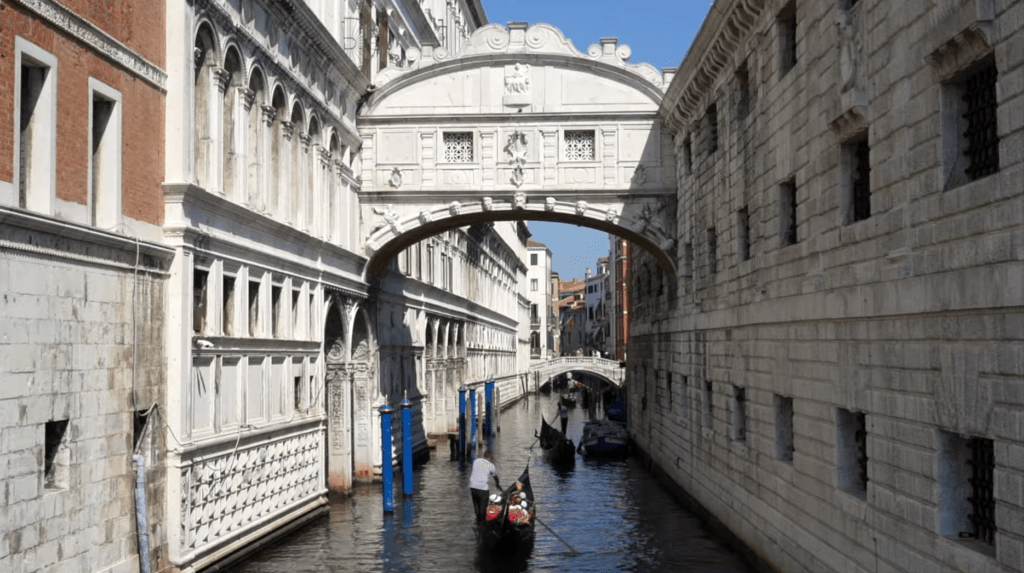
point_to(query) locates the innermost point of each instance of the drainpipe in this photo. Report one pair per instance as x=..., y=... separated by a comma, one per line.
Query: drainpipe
x=140, y=513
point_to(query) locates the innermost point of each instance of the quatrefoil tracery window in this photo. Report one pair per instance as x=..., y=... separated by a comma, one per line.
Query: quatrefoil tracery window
x=579, y=145
x=458, y=147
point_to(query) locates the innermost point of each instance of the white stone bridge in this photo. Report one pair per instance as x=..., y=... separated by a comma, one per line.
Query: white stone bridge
x=607, y=370
x=518, y=125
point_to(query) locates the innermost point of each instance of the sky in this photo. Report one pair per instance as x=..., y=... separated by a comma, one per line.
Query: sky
x=657, y=31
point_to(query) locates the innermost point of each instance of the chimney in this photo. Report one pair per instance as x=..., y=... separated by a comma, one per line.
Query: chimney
x=587, y=276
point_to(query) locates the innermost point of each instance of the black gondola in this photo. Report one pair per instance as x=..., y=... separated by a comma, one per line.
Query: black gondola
x=557, y=448
x=509, y=525
x=568, y=400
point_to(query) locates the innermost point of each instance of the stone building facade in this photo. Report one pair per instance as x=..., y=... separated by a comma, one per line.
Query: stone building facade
x=835, y=374
x=83, y=278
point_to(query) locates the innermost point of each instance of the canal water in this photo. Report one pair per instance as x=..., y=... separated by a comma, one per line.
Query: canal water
x=614, y=515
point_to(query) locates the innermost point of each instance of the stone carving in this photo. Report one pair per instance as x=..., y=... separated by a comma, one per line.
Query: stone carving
x=336, y=350
x=549, y=204
x=611, y=216
x=517, y=148
x=390, y=218
x=651, y=225
x=455, y=208
x=640, y=174
x=850, y=49
x=518, y=176
x=581, y=208
x=519, y=201
x=361, y=351
x=517, y=80
x=396, y=178
x=488, y=203
x=426, y=216
x=226, y=493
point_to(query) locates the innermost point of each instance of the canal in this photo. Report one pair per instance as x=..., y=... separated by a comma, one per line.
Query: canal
x=615, y=514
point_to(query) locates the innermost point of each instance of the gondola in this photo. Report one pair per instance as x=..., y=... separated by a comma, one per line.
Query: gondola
x=557, y=448
x=604, y=439
x=568, y=400
x=509, y=526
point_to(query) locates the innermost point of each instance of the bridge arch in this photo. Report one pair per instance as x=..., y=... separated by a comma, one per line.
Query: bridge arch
x=518, y=125
x=608, y=370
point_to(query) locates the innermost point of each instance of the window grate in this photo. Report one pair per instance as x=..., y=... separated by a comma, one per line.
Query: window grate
x=862, y=181
x=860, y=437
x=579, y=145
x=982, y=138
x=983, y=504
x=458, y=147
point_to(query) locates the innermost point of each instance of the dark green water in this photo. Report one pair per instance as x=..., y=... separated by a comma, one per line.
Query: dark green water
x=613, y=513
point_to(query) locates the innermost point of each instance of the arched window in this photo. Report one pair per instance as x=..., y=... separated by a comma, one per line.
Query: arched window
x=299, y=141
x=275, y=197
x=229, y=137
x=255, y=188
x=205, y=57
x=314, y=178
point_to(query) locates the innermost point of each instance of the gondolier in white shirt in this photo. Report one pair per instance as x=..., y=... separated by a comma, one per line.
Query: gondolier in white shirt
x=483, y=469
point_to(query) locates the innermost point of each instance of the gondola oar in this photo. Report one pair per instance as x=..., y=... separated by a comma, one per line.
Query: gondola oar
x=571, y=548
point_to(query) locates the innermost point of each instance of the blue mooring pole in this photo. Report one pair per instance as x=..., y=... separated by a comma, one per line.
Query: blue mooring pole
x=387, y=472
x=472, y=417
x=406, y=445
x=489, y=408
x=462, y=422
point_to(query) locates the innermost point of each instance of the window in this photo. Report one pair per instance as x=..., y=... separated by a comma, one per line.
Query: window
x=533, y=311
x=786, y=26
x=743, y=233
x=966, y=480
x=712, y=251
x=787, y=213
x=458, y=147
x=784, y=428
x=969, y=125
x=254, y=308
x=57, y=456
x=534, y=285
x=36, y=136
x=228, y=309
x=851, y=451
x=712, y=127
x=708, y=395
x=687, y=156
x=579, y=145
x=742, y=91
x=105, y=156
x=200, y=279
x=739, y=413
x=668, y=387
x=855, y=171
x=533, y=259
x=275, y=310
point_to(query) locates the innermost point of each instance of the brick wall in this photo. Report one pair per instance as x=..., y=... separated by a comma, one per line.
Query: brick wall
x=142, y=129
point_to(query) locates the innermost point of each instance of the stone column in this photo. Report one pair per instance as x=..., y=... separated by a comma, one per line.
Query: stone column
x=284, y=155
x=219, y=78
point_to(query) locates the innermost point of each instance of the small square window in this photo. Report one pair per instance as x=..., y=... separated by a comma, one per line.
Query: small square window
x=579, y=145
x=458, y=147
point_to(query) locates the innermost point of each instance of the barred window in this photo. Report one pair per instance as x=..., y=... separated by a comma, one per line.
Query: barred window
x=458, y=147
x=579, y=145
x=979, y=95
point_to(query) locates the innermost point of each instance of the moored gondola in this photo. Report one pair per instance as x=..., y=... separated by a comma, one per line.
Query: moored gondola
x=604, y=439
x=558, y=449
x=510, y=521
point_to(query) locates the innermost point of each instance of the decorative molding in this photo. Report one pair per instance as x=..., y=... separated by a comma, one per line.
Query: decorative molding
x=92, y=36
x=850, y=123
x=961, y=51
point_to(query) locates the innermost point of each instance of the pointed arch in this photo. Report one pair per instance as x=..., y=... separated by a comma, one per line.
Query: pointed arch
x=206, y=57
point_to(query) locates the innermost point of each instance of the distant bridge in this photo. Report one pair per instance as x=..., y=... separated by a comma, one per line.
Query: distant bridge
x=608, y=370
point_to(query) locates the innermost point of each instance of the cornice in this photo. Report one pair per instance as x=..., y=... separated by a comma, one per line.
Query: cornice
x=725, y=29
x=89, y=34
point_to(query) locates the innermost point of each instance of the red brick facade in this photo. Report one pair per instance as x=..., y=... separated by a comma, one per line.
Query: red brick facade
x=142, y=127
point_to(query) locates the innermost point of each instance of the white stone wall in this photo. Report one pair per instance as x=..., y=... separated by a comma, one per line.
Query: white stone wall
x=82, y=336
x=910, y=316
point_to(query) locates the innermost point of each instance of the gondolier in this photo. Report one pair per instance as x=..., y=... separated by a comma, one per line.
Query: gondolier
x=563, y=415
x=483, y=469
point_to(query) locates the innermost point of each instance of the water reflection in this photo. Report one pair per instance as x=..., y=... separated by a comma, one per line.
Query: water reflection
x=612, y=512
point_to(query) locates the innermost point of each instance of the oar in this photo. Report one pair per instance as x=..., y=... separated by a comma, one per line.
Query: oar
x=571, y=548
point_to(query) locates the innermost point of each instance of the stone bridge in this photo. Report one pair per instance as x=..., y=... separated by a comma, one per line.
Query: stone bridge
x=608, y=370
x=518, y=125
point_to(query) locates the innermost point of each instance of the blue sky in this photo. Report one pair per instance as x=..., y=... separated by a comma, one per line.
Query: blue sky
x=657, y=31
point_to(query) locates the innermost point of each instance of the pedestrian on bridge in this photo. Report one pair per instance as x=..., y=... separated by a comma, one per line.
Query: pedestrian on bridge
x=483, y=469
